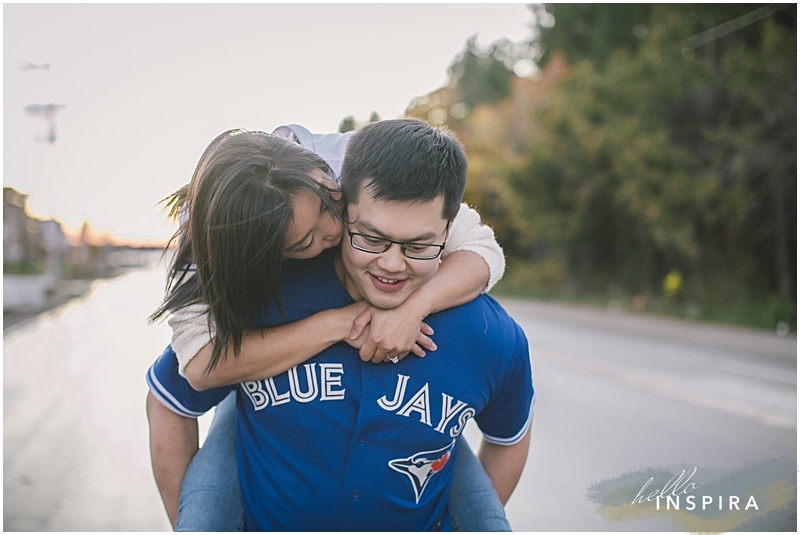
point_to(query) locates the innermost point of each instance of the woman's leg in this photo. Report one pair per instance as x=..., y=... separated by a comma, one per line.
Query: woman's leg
x=473, y=502
x=211, y=497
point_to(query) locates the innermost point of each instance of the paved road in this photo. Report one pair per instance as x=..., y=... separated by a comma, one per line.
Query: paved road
x=616, y=394
x=619, y=393
x=75, y=454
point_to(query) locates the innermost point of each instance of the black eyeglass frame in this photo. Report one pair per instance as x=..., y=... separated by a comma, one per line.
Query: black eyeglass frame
x=401, y=244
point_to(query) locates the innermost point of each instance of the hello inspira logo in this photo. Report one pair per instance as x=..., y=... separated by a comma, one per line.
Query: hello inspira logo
x=681, y=486
x=699, y=500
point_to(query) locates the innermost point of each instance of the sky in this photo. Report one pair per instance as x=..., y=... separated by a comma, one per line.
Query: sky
x=148, y=86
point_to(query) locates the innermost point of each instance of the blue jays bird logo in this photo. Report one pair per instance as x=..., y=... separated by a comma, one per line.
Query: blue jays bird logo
x=421, y=466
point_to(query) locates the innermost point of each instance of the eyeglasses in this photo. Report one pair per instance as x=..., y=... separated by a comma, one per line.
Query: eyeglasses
x=415, y=251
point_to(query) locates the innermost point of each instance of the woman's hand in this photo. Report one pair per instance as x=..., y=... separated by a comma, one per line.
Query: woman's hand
x=391, y=333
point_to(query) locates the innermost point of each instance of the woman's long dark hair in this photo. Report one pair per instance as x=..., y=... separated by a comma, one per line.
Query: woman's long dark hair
x=240, y=208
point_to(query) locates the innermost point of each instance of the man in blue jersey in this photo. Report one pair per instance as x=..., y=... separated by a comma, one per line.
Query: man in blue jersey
x=339, y=444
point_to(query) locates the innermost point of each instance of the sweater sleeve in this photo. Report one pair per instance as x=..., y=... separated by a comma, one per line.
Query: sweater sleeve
x=330, y=147
x=190, y=333
x=468, y=234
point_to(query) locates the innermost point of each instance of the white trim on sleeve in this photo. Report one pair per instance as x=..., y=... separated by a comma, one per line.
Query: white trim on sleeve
x=167, y=399
x=516, y=438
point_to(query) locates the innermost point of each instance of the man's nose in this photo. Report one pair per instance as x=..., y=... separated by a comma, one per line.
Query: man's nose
x=392, y=260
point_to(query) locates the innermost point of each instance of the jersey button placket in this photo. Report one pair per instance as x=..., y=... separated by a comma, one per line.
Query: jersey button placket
x=356, y=494
x=362, y=439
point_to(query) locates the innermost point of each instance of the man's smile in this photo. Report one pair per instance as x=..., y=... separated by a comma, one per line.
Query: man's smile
x=386, y=284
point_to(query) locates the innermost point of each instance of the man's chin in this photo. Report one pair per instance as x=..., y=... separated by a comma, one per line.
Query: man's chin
x=381, y=300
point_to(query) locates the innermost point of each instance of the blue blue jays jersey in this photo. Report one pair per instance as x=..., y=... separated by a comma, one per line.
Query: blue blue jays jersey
x=336, y=444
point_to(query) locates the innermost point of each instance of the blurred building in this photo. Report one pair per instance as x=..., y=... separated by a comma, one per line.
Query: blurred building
x=41, y=268
x=30, y=245
x=32, y=252
x=20, y=232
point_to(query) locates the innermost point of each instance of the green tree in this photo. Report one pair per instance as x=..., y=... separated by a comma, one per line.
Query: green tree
x=481, y=76
x=595, y=31
x=656, y=152
x=591, y=31
x=348, y=124
x=654, y=159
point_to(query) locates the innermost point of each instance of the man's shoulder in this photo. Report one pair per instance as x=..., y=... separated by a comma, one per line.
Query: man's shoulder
x=323, y=263
x=483, y=309
x=481, y=321
x=306, y=287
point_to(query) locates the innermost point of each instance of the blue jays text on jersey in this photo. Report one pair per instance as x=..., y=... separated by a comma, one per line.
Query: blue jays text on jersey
x=339, y=444
x=325, y=384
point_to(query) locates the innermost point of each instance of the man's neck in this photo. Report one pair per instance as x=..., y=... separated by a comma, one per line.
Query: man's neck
x=338, y=265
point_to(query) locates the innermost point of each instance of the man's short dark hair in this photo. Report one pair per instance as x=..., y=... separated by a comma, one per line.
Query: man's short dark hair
x=405, y=160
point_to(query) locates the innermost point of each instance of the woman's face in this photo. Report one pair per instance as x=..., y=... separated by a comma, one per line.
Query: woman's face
x=313, y=228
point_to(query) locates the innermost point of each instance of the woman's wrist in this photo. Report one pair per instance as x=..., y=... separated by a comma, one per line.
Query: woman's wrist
x=339, y=321
x=418, y=304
